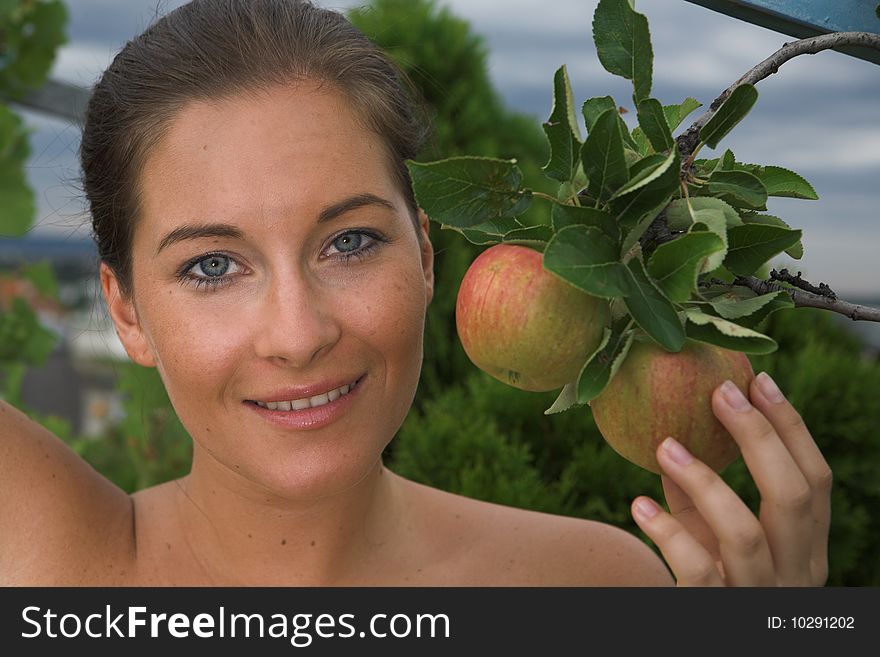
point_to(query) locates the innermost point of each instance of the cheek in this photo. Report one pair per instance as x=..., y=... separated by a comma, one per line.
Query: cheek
x=197, y=342
x=395, y=312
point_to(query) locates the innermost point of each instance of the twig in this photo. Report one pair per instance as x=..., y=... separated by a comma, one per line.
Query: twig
x=688, y=140
x=656, y=234
x=804, y=299
x=823, y=290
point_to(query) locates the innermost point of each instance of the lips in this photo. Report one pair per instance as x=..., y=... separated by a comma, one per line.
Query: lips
x=307, y=401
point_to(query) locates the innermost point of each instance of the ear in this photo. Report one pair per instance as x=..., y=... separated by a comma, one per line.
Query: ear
x=427, y=254
x=124, y=316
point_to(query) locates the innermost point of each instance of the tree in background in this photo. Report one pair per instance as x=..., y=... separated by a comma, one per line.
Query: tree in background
x=447, y=64
x=31, y=31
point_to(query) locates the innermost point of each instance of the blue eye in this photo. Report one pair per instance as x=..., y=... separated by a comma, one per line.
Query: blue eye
x=213, y=270
x=348, y=242
x=213, y=266
x=355, y=244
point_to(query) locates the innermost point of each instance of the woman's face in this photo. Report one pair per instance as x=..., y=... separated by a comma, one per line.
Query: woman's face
x=280, y=288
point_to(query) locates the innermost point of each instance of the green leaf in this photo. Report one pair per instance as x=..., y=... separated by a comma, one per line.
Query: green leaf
x=726, y=334
x=490, y=232
x=728, y=161
x=30, y=45
x=464, y=192
x=700, y=215
x=785, y=183
x=796, y=251
x=652, y=121
x=751, y=245
x=679, y=217
x=602, y=156
x=43, y=278
x=738, y=302
x=731, y=112
x=623, y=43
x=674, y=266
x=647, y=176
x=675, y=114
x=588, y=259
x=17, y=202
x=536, y=237
x=23, y=337
x=603, y=365
x=634, y=212
x=739, y=188
x=573, y=215
x=643, y=146
x=567, y=398
x=652, y=311
x=18, y=206
x=594, y=108
x=780, y=302
x=635, y=233
x=562, y=131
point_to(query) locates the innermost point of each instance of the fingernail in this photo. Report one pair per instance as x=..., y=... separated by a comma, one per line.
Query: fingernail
x=676, y=451
x=769, y=388
x=734, y=397
x=646, y=508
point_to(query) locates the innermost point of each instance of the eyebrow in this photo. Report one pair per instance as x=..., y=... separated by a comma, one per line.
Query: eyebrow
x=196, y=231
x=352, y=203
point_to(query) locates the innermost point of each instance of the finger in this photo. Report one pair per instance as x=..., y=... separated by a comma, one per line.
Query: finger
x=786, y=497
x=788, y=423
x=741, y=541
x=685, y=511
x=689, y=561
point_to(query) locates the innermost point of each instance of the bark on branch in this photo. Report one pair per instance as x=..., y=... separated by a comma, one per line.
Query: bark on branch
x=804, y=299
x=688, y=140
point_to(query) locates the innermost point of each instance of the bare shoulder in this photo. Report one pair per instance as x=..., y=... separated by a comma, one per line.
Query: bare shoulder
x=497, y=545
x=61, y=522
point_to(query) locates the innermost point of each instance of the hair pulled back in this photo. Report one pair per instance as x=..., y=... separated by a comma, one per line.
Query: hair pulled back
x=211, y=49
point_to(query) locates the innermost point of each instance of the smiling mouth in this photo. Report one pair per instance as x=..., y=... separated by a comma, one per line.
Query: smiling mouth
x=309, y=402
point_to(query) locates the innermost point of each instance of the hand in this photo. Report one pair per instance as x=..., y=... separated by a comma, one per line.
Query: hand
x=710, y=537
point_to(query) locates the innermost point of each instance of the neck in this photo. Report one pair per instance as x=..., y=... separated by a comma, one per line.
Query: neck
x=242, y=535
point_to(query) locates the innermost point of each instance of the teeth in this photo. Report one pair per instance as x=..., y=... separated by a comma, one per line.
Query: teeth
x=308, y=402
x=319, y=400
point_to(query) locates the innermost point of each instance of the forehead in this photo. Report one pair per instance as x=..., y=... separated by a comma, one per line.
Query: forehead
x=291, y=149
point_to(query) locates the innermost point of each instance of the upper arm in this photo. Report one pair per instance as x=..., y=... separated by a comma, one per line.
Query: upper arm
x=59, y=518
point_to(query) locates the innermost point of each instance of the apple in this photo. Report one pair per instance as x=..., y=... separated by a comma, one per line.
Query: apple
x=523, y=325
x=657, y=393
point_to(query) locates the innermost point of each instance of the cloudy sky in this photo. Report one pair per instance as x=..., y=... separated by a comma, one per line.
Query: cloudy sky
x=820, y=115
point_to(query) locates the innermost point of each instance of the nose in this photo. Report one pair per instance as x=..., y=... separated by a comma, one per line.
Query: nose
x=297, y=321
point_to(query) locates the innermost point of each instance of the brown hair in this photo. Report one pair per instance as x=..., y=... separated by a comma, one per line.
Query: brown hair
x=209, y=49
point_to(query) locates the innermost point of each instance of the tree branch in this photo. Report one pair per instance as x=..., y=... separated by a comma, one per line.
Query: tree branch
x=688, y=140
x=808, y=296
x=804, y=299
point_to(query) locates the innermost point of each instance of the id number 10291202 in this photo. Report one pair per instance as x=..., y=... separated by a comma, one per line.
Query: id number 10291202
x=811, y=623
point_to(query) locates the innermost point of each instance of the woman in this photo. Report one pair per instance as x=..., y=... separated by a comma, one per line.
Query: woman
x=261, y=247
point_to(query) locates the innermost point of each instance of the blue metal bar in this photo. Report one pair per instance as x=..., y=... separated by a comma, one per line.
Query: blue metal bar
x=806, y=18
